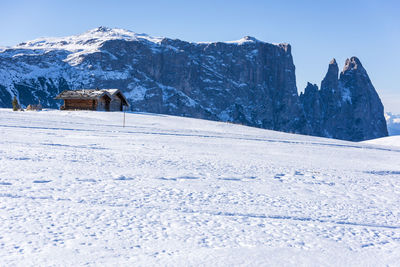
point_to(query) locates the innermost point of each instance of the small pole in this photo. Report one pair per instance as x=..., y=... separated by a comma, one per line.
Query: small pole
x=123, y=108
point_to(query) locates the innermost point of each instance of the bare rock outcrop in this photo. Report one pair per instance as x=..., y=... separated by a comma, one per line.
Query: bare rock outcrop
x=347, y=106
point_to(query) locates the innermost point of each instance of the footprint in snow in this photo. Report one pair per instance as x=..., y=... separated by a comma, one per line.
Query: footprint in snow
x=86, y=180
x=123, y=178
x=230, y=179
x=5, y=183
x=179, y=178
x=41, y=181
x=383, y=172
x=279, y=176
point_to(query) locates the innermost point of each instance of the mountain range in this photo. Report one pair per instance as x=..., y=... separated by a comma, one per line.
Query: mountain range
x=246, y=81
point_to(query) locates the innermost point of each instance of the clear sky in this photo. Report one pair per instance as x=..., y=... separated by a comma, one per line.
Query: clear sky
x=317, y=30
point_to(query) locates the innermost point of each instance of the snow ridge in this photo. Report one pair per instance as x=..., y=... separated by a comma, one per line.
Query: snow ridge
x=89, y=40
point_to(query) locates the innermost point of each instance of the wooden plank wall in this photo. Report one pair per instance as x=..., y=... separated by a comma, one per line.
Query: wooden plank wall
x=115, y=104
x=86, y=104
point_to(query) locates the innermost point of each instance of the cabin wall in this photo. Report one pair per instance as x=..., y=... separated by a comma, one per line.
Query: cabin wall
x=84, y=104
x=115, y=104
x=101, y=104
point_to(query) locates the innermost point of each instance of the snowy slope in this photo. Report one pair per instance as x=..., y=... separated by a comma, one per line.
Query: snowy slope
x=76, y=188
x=385, y=141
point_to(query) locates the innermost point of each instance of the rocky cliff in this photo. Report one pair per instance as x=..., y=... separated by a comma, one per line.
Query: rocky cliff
x=245, y=81
x=347, y=106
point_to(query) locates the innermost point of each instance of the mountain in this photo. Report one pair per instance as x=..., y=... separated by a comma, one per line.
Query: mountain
x=246, y=81
x=393, y=123
x=347, y=106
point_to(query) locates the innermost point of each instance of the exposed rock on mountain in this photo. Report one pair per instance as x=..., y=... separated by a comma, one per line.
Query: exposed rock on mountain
x=346, y=107
x=313, y=106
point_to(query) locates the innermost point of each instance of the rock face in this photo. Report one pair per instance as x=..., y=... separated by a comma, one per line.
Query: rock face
x=245, y=81
x=347, y=107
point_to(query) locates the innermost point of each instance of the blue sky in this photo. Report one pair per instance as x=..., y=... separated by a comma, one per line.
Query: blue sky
x=317, y=30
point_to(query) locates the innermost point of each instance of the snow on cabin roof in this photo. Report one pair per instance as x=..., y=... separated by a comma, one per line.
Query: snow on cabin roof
x=90, y=94
x=85, y=93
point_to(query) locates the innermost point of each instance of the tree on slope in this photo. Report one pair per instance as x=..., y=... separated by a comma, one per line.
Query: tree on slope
x=15, y=104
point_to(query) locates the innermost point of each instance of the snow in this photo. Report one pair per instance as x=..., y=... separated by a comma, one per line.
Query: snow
x=386, y=141
x=346, y=94
x=82, y=44
x=90, y=42
x=77, y=188
x=244, y=40
x=136, y=92
x=86, y=41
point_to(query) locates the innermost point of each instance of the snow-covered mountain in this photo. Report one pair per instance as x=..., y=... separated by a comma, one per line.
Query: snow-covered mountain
x=77, y=188
x=393, y=123
x=246, y=81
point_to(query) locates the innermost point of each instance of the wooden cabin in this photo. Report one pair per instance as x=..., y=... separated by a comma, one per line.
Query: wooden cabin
x=93, y=99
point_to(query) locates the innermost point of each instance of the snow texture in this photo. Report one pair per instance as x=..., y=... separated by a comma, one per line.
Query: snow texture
x=386, y=141
x=77, y=188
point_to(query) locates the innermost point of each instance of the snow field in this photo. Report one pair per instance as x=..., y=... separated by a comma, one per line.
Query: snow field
x=76, y=188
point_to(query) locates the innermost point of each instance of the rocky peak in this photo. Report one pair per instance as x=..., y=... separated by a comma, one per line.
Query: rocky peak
x=346, y=108
x=311, y=88
x=352, y=64
x=102, y=29
x=330, y=82
x=312, y=106
x=250, y=38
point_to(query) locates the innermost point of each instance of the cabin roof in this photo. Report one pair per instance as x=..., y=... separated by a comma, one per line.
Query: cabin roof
x=91, y=94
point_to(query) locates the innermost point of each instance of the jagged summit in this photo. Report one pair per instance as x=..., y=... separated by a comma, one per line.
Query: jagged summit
x=310, y=88
x=330, y=82
x=353, y=64
x=250, y=38
x=102, y=29
x=346, y=107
